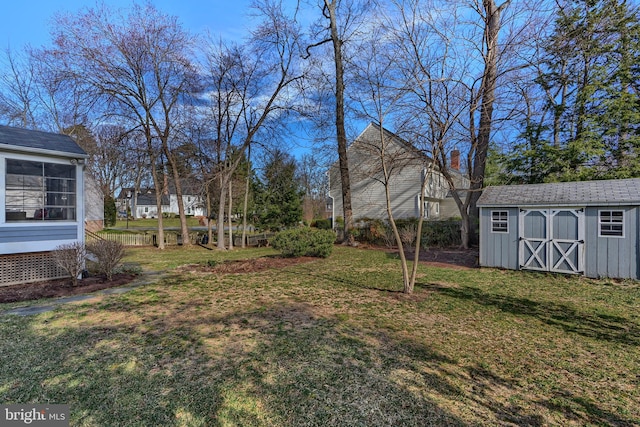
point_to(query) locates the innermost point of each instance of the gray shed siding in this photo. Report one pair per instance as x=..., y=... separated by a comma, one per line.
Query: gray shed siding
x=499, y=249
x=615, y=257
x=38, y=233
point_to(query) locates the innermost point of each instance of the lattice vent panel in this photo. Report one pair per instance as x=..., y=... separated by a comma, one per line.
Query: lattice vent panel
x=26, y=268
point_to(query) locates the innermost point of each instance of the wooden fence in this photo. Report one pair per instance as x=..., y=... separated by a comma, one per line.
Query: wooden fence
x=150, y=239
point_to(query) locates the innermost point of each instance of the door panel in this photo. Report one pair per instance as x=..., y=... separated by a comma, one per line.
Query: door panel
x=552, y=240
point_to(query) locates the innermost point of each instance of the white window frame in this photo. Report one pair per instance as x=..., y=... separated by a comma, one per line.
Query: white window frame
x=610, y=223
x=497, y=224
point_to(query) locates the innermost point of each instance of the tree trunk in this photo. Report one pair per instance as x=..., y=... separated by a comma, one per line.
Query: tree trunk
x=220, y=222
x=488, y=88
x=341, y=133
x=230, y=213
x=246, y=199
x=184, y=228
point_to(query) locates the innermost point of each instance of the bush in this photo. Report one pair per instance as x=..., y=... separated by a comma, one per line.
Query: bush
x=304, y=242
x=110, y=212
x=322, y=224
x=71, y=258
x=108, y=255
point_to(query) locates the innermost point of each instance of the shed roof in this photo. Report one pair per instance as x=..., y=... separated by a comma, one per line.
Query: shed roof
x=583, y=193
x=37, y=141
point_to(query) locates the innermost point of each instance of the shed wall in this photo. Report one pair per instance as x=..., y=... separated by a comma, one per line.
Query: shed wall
x=499, y=249
x=612, y=256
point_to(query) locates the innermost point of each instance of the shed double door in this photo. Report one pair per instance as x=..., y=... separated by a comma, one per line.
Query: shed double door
x=552, y=240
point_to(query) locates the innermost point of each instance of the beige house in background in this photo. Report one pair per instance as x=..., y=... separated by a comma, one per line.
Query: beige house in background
x=409, y=169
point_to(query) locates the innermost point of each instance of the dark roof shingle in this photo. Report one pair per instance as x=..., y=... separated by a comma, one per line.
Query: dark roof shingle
x=25, y=139
x=582, y=193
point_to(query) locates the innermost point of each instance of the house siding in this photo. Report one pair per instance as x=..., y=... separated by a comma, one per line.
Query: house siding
x=499, y=249
x=406, y=168
x=36, y=234
x=612, y=256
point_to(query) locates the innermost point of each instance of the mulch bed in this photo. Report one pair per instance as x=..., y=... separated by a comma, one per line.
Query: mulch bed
x=450, y=258
x=61, y=288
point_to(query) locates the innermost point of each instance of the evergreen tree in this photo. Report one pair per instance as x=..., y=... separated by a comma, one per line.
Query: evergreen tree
x=110, y=213
x=590, y=76
x=279, y=195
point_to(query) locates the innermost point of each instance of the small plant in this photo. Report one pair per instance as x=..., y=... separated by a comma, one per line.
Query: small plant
x=108, y=255
x=388, y=237
x=71, y=258
x=304, y=242
x=212, y=263
x=408, y=235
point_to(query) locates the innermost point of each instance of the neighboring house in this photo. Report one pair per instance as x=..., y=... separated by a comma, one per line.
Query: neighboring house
x=42, y=178
x=144, y=204
x=589, y=228
x=94, y=204
x=409, y=168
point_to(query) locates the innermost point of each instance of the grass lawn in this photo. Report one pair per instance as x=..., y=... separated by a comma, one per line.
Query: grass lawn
x=332, y=342
x=152, y=223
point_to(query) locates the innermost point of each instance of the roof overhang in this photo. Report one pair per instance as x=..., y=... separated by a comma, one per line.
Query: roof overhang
x=49, y=153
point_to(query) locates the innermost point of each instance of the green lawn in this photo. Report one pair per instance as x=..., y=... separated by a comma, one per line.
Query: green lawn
x=333, y=342
x=150, y=223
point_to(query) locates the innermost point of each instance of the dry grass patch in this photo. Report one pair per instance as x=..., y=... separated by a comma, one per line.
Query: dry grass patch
x=333, y=342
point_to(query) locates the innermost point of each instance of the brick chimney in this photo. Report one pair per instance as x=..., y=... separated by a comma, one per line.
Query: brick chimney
x=455, y=159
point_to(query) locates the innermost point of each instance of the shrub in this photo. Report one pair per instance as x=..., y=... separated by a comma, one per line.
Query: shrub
x=108, y=255
x=304, y=242
x=408, y=235
x=71, y=258
x=110, y=211
x=322, y=224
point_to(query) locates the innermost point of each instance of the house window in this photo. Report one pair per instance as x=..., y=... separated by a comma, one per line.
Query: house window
x=39, y=191
x=611, y=223
x=499, y=221
x=146, y=209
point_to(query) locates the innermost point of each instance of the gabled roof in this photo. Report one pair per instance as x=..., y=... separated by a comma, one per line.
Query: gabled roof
x=583, y=193
x=415, y=151
x=33, y=141
x=146, y=196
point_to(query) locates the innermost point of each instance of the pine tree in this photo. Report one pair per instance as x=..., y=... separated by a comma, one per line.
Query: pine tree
x=279, y=195
x=590, y=76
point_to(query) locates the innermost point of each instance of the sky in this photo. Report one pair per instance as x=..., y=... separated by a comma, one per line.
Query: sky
x=28, y=22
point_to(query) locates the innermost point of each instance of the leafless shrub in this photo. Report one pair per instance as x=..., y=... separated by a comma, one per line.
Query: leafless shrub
x=71, y=258
x=408, y=235
x=388, y=237
x=107, y=255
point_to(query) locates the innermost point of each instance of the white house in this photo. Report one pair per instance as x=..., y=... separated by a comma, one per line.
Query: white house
x=409, y=169
x=143, y=203
x=43, y=207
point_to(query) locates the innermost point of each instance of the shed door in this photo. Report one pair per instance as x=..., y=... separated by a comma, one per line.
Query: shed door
x=552, y=240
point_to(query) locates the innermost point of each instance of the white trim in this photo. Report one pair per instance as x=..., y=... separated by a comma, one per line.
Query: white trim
x=500, y=221
x=611, y=223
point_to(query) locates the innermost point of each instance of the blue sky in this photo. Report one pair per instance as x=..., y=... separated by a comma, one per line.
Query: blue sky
x=29, y=21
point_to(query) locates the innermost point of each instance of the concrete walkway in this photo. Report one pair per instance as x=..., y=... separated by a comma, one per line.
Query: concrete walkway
x=143, y=279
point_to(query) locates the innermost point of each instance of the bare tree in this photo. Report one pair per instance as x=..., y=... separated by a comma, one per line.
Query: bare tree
x=344, y=19
x=456, y=53
x=140, y=67
x=17, y=97
x=248, y=88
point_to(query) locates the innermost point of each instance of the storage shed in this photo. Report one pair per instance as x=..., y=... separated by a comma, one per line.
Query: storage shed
x=589, y=228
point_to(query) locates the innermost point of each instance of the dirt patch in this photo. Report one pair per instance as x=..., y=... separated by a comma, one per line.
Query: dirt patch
x=450, y=258
x=61, y=288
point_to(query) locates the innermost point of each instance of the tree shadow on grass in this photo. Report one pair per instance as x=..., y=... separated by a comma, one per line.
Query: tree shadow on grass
x=593, y=325
x=276, y=366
